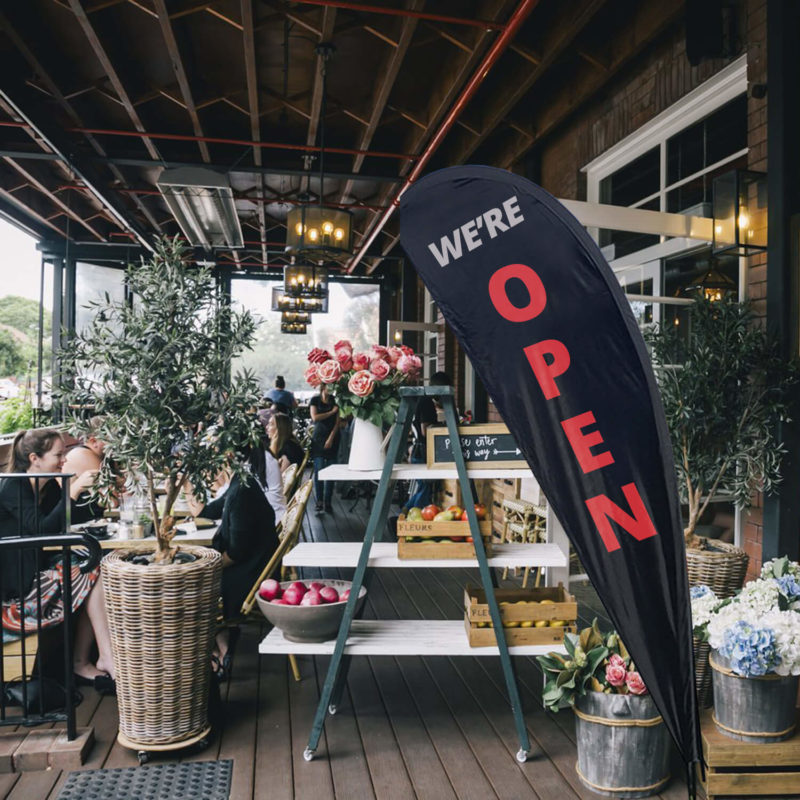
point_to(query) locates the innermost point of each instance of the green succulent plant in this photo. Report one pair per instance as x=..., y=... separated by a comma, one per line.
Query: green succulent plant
x=583, y=668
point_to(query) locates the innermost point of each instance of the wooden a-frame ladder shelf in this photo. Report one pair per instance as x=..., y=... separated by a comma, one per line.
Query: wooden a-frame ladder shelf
x=411, y=637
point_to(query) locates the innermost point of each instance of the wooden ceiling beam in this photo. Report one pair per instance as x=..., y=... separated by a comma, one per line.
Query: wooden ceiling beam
x=180, y=73
x=28, y=211
x=449, y=37
x=287, y=103
x=251, y=72
x=143, y=7
x=21, y=44
x=648, y=23
x=227, y=20
x=113, y=76
x=52, y=197
x=380, y=35
x=303, y=22
x=328, y=23
x=564, y=32
x=384, y=83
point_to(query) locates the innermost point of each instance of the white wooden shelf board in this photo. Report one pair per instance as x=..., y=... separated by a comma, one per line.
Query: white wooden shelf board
x=384, y=554
x=341, y=472
x=400, y=637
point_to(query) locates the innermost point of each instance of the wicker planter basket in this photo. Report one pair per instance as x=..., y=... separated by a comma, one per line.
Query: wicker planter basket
x=161, y=619
x=722, y=568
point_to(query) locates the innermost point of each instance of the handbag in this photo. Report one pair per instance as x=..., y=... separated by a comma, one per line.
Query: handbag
x=52, y=694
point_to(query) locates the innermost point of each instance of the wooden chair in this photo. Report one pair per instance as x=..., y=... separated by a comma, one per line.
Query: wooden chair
x=288, y=533
x=289, y=479
x=298, y=479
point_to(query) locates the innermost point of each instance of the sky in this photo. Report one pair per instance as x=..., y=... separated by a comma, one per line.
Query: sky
x=20, y=264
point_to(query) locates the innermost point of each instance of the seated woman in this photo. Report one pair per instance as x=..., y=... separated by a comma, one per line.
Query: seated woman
x=246, y=538
x=37, y=452
x=282, y=443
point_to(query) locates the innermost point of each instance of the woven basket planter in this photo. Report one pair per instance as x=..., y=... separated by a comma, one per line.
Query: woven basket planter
x=723, y=569
x=162, y=621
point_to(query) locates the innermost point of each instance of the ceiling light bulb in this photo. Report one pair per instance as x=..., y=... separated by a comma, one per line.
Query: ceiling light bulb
x=744, y=220
x=327, y=227
x=338, y=234
x=313, y=234
x=298, y=229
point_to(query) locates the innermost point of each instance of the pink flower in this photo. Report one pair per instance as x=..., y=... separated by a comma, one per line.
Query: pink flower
x=635, y=683
x=395, y=353
x=615, y=674
x=378, y=351
x=330, y=371
x=317, y=355
x=616, y=660
x=380, y=369
x=407, y=351
x=312, y=376
x=345, y=359
x=343, y=344
x=361, y=383
x=409, y=365
x=360, y=361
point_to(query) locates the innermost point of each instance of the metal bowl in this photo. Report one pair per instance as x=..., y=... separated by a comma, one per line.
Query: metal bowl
x=309, y=623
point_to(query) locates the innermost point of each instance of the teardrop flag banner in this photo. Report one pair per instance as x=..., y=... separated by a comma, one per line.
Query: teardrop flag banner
x=552, y=337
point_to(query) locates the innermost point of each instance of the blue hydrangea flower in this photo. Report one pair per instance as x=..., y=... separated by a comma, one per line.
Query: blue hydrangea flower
x=696, y=592
x=752, y=651
x=789, y=587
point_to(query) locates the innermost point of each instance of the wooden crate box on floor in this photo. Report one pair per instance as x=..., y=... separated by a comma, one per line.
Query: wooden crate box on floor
x=743, y=769
x=526, y=619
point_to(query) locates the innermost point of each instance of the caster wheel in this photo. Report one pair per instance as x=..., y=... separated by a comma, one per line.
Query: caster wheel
x=332, y=709
x=522, y=756
x=143, y=757
x=308, y=754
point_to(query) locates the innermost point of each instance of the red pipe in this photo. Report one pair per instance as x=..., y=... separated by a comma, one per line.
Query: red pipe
x=489, y=60
x=399, y=12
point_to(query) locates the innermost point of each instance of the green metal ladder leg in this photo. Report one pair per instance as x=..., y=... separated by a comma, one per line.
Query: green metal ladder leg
x=377, y=518
x=486, y=577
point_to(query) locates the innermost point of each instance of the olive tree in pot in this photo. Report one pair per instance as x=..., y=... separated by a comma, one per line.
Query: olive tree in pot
x=156, y=370
x=724, y=388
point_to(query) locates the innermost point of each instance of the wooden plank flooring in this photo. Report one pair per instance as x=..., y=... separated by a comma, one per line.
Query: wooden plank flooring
x=412, y=727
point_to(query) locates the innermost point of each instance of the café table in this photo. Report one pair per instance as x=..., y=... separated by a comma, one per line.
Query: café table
x=185, y=535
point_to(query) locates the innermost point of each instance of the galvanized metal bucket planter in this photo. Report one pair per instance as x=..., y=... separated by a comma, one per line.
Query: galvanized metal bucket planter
x=760, y=709
x=623, y=745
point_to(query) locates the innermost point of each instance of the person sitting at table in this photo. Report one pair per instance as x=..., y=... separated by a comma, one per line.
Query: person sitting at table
x=282, y=443
x=246, y=537
x=39, y=452
x=88, y=453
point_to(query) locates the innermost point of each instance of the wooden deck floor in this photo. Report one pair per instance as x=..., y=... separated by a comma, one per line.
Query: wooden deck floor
x=407, y=727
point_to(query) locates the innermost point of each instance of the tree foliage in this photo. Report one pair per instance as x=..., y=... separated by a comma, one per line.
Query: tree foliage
x=12, y=360
x=724, y=389
x=156, y=370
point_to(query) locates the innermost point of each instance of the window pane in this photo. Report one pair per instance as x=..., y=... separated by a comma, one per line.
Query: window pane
x=91, y=283
x=689, y=196
x=626, y=242
x=710, y=140
x=633, y=182
x=353, y=314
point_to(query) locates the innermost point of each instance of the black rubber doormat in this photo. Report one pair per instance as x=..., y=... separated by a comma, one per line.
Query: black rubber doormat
x=195, y=780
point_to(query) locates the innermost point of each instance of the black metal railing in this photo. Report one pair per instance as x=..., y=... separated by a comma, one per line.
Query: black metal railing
x=30, y=696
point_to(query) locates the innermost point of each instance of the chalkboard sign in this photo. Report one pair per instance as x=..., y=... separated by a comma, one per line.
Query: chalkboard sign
x=483, y=446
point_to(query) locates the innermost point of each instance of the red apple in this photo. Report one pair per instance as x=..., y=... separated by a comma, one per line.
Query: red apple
x=429, y=512
x=270, y=589
x=299, y=586
x=293, y=596
x=278, y=602
x=480, y=510
x=329, y=594
x=344, y=595
x=311, y=598
x=456, y=511
x=316, y=586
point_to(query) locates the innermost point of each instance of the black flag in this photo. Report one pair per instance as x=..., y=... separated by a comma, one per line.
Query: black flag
x=551, y=335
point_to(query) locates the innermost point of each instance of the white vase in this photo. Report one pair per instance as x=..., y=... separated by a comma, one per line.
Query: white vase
x=365, y=448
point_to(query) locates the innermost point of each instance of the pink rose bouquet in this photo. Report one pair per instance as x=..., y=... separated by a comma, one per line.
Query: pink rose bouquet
x=364, y=383
x=595, y=662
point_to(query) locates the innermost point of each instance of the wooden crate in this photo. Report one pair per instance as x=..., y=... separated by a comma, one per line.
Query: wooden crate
x=428, y=535
x=744, y=769
x=519, y=619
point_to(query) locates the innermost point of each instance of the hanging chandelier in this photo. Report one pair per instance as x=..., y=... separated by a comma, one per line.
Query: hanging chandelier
x=305, y=280
x=320, y=231
x=283, y=301
x=293, y=327
x=299, y=317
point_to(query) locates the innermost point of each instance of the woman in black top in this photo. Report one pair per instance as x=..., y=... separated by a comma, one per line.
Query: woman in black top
x=36, y=507
x=246, y=538
x=324, y=443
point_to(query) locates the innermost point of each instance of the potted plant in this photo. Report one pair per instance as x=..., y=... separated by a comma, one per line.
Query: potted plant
x=622, y=742
x=156, y=370
x=724, y=388
x=365, y=386
x=755, y=655
x=704, y=602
